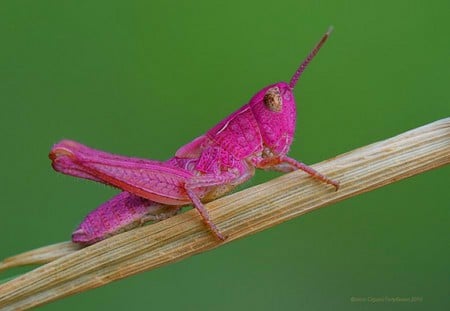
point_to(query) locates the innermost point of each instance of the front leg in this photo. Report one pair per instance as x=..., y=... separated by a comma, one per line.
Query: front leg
x=286, y=164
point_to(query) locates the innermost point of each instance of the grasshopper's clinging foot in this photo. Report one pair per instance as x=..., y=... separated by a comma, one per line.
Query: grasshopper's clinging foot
x=312, y=172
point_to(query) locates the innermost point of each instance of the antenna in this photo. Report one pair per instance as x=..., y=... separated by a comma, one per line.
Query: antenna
x=308, y=59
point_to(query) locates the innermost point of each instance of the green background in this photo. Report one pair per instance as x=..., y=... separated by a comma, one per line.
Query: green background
x=142, y=78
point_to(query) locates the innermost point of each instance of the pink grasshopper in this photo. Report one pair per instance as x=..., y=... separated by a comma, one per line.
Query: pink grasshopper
x=258, y=135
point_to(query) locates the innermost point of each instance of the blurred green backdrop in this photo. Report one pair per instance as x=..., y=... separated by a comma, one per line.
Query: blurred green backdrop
x=142, y=78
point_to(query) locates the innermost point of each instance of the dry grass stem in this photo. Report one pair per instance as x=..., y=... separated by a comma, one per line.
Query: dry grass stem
x=237, y=215
x=40, y=255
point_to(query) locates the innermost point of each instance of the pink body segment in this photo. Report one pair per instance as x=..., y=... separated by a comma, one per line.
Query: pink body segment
x=122, y=212
x=258, y=135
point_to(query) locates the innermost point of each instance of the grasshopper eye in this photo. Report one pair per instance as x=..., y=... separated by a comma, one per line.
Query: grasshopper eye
x=272, y=99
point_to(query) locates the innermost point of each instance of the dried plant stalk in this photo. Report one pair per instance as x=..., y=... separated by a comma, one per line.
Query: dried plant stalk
x=236, y=215
x=40, y=255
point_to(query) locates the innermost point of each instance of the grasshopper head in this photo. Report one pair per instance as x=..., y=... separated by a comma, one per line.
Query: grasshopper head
x=274, y=109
